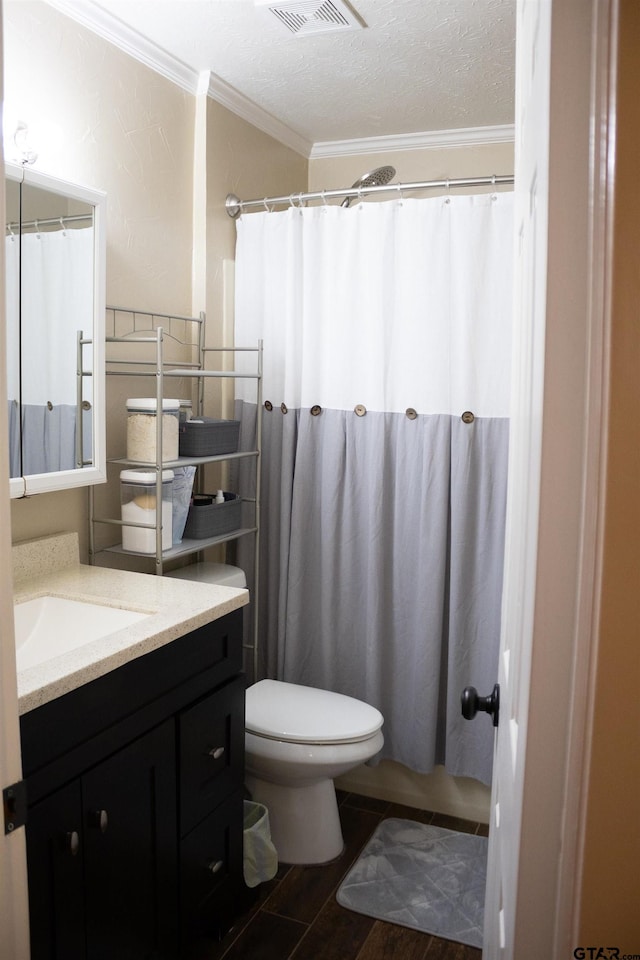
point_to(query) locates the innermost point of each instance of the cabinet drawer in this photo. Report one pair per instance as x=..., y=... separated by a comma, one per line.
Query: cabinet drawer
x=211, y=863
x=211, y=738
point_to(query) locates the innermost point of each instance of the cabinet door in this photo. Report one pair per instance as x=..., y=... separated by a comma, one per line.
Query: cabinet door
x=55, y=860
x=129, y=808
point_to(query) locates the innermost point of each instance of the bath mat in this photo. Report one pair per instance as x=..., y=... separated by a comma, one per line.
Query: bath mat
x=423, y=877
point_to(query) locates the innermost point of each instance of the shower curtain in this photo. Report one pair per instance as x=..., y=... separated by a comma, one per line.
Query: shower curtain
x=386, y=331
x=56, y=302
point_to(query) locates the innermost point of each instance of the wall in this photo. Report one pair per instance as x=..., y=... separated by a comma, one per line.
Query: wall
x=609, y=907
x=99, y=117
x=427, y=163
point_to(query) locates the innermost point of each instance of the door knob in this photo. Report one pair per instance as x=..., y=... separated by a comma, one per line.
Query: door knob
x=472, y=703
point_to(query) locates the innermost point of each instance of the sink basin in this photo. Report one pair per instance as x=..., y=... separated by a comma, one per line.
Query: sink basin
x=49, y=626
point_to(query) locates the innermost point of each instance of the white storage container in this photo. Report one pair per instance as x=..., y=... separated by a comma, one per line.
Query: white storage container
x=138, y=505
x=142, y=429
x=186, y=410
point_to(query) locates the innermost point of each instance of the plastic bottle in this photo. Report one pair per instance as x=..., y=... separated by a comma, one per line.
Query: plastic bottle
x=219, y=496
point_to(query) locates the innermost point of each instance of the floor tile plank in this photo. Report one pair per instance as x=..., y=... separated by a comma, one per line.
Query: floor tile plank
x=449, y=950
x=335, y=934
x=304, y=890
x=388, y=941
x=267, y=937
x=453, y=823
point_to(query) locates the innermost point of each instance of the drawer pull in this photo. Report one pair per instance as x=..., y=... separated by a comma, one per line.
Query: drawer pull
x=216, y=752
x=73, y=843
x=99, y=819
x=216, y=865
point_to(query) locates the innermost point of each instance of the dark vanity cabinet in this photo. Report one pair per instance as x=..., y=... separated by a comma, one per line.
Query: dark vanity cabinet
x=135, y=787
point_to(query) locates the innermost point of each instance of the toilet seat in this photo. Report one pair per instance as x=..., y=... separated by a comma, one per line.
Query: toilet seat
x=298, y=714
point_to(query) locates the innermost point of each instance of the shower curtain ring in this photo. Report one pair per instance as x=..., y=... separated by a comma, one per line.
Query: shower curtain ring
x=64, y=232
x=266, y=205
x=323, y=194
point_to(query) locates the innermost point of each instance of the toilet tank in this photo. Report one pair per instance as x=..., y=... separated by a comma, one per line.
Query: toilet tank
x=223, y=574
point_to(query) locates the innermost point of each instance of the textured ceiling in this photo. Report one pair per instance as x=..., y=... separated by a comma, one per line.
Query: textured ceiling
x=420, y=65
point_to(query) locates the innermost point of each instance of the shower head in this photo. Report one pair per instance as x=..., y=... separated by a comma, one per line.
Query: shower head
x=376, y=178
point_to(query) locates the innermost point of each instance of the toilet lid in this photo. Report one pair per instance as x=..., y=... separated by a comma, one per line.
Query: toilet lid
x=288, y=711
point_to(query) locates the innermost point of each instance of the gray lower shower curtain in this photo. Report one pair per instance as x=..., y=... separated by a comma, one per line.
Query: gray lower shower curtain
x=383, y=508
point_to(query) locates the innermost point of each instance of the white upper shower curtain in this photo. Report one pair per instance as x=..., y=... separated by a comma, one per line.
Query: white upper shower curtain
x=383, y=508
x=54, y=269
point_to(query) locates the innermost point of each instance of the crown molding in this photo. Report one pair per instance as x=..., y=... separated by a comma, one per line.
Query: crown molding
x=466, y=136
x=229, y=97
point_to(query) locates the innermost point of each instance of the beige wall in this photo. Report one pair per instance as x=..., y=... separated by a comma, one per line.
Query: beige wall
x=99, y=117
x=609, y=908
x=241, y=160
x=427, y=163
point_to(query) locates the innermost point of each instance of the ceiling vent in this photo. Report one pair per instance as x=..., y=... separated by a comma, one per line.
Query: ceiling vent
x=306, y=17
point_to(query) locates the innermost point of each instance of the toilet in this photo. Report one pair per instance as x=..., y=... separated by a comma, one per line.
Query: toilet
x=297, y=740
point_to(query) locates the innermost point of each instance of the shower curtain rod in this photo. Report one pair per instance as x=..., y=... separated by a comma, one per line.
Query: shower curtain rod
x=235, y=206
x=49, y=221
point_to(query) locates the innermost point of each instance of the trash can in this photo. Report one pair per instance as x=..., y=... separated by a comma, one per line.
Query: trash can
x=260, y=856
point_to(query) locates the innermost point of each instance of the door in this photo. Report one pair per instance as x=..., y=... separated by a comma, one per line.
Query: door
x=557, y=410
x=129, y=811
x=56, y=877
x=531, y=196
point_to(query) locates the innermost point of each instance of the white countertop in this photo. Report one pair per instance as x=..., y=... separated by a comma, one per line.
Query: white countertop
x=175, y=607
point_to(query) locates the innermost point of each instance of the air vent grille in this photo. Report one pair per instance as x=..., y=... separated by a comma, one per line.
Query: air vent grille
x=304, y=17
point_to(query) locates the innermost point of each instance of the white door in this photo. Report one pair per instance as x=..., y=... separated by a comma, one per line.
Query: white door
x=531, y=199
x=550, y=538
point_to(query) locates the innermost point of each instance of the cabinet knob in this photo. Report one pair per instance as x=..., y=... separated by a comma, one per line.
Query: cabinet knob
x=99, y=819
x=216, y=865
x=73, y=842
x=216, y=752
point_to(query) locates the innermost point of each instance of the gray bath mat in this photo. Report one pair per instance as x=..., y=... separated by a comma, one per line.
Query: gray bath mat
x=423, y=877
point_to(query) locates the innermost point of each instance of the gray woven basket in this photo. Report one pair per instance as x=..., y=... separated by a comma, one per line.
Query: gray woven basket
x=214, y=519
x=209, y=437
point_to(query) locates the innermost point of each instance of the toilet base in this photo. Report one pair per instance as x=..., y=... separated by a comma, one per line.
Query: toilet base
x=305, y=823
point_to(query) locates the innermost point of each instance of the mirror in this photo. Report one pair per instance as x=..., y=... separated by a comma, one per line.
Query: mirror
x=55, y=265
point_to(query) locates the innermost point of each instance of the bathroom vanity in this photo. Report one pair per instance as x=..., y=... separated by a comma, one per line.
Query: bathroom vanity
x=134, y=766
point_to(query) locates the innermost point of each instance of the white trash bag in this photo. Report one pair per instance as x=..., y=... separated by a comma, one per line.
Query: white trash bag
x=260, y=856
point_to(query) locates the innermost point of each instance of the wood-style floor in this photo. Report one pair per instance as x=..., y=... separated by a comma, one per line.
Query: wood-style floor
x=296, y=916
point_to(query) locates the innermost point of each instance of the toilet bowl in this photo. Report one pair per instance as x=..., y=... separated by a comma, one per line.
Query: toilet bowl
x=297, y=739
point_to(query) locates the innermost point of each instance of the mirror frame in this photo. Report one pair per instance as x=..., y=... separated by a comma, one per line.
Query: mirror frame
x=97, y=472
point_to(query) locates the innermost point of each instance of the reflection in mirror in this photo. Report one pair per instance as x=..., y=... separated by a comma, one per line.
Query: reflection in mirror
x=12, y=288
x=54, y=333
